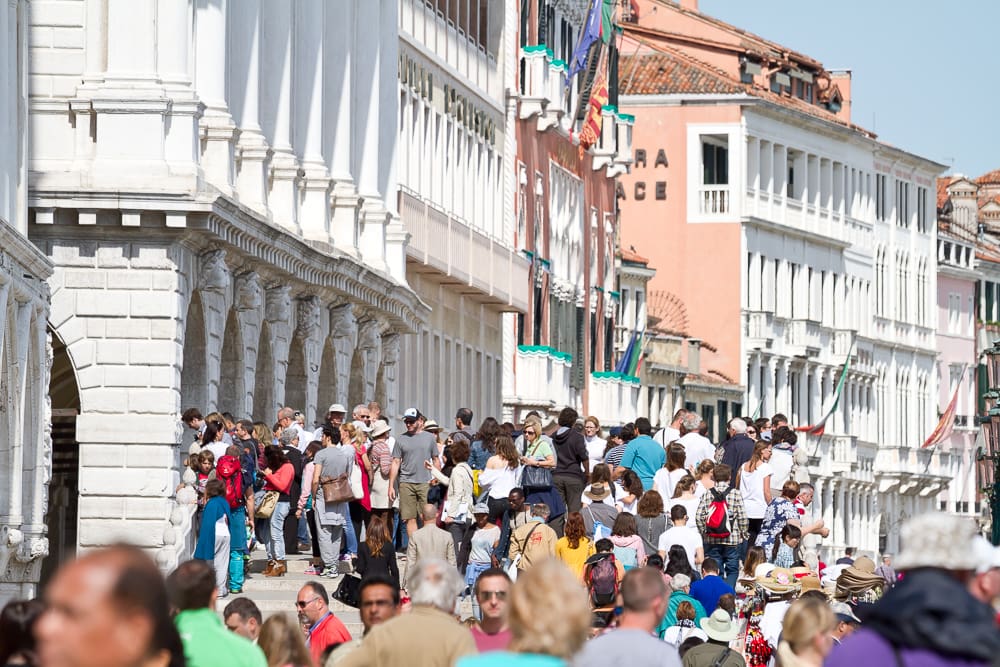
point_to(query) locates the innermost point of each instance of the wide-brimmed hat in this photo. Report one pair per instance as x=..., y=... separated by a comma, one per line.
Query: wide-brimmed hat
x=378, y=428
x=858, y=578
x=780, y=580
x=938, y=540
x=337, y=407
x=432, y=426
x=720, y=626
x=597, y=491
x=361, y=426
x=810, y=582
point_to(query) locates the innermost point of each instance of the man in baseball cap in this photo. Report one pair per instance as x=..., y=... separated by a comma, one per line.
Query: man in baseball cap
x=334, y=418
x=412, y=449
x=847, y=622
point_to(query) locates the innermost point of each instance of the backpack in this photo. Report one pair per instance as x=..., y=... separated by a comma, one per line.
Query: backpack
x=602, y=581
x=627, y=557
x=229, y=473
x=717, y=523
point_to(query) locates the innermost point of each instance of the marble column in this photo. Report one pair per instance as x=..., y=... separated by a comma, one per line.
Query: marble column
x=251, y=148
x=308, y=49
x=276, y=80
x=217, y=127
x=768, y=388
x=754, y=389
x=783, y=392
x=339, y=139
x=174, y=22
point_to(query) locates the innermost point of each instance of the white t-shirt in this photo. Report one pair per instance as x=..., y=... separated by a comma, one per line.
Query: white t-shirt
x=752, y=488
x=218, y=448
x=690, y=504
x=664, y=481
x=666, y=435
x=595, y=450
x=684, y=536
x=781, y=463
x=697, y=448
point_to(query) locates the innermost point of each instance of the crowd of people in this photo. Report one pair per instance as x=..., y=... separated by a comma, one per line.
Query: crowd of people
x=653, y=548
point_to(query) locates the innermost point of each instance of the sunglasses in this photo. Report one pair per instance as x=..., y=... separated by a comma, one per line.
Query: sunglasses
x=529, y=432
x=487, y=595
x=303, y=605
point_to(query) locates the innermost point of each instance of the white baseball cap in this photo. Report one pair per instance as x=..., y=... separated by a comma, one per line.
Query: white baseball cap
x=337, y=407
x=411, y=413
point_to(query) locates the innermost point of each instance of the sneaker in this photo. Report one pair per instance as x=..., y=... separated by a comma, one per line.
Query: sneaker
x=236, y=591
x=330, y=573
x=305, y=546
x=314, y=570
x=346, y=557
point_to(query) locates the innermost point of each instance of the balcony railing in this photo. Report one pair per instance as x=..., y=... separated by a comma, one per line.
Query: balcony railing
x=464, y=253
x=713, y=200
x=612, y=397
x=542, y=377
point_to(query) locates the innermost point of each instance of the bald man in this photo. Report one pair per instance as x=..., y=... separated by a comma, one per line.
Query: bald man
x=430, y=541
x=108, y=609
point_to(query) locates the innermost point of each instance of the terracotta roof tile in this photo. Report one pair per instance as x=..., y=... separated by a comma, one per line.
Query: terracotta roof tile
x=667, y=70
x=629, y=255
x=989, y=178
x=942, y=189
x=671, y=73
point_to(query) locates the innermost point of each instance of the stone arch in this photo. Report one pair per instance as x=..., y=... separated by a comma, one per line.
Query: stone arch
x=327, y=391
x=194, y=360
x=265, y=406
x=296, y=376
x=64, y=485
x=232, y=392
x=356, y=387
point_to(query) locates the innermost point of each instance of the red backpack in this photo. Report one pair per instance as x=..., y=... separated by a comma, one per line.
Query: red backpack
x=228, y=472
x=717, y=523
x=602, y=581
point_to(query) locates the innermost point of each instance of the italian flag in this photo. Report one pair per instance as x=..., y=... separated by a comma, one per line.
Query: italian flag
x=820, y=427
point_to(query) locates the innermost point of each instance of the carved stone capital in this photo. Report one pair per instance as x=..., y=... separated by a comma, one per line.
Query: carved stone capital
x=214, y=274
x=343, y=323
x=308, y=322
x=368, y=335
x=249, y=292
x=390, y=349
x=279, y=304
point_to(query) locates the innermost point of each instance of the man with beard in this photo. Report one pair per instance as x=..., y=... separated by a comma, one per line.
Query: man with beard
x=324, y=629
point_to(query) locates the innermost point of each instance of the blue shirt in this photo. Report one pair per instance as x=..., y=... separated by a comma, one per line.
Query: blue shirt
x=708, y=590
x=644, y=456
x=506, y=659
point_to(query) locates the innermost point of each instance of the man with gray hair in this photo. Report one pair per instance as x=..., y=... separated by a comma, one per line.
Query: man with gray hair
x=286, y=417
x=433, y=637
x=739, y=448
x=697, y=447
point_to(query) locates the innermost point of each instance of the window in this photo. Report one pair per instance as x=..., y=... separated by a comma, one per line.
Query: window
x=902, y=203
x=881, y=205
x=715, y=162
x=471, y=19
x=923, y=224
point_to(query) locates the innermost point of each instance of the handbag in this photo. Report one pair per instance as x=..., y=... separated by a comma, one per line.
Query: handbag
x=535, y=477
x=349, y=591
x=265, y=507
x=357, y=488
x=336, y=489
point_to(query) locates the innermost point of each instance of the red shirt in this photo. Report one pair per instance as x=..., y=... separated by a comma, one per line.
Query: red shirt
x=329, y=631
x=486, y=642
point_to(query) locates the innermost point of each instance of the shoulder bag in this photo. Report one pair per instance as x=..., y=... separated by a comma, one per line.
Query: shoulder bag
x=336, y=489
x=266, y=504
x=535, y=477
x=357, y=488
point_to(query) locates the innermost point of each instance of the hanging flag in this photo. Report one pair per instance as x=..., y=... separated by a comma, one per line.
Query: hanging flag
x=636, y=358
x=626, y=358
x=946, y=424
x=820, y=427
x=598, y=27
x=591, y=129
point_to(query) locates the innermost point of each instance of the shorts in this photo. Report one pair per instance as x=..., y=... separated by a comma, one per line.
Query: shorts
x=412, y=498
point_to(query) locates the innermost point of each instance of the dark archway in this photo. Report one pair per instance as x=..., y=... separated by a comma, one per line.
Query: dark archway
x=64, y=486
x=356, y=389
x=265, y=407
x=194, y=371
x=327, y=390
x=232, y=391
x=296, y=377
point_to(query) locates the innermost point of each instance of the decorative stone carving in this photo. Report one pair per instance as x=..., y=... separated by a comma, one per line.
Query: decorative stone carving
x=249, y=292
x=279, y=304
x=308, y=317
x=214, y=275
x=368, y=335
x=33, y=548
x=390, y=349
x=343, y=324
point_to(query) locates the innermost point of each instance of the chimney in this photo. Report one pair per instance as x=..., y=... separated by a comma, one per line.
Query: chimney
x=843, y=80
x=690, y=5
x=694, y=356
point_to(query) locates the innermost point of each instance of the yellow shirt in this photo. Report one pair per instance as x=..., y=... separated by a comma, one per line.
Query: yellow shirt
x=574, y=558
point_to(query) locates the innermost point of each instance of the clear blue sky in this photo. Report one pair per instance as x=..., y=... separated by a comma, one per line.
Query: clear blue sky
x=924, y=75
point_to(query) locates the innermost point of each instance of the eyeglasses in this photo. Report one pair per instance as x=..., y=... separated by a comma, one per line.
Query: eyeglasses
x=529, y=433
x=486, y=595
x=365, y=418
x=409, y=421
x=302, y=605
x=750, y=431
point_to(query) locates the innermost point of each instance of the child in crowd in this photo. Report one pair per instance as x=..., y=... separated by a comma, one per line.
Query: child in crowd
x=783, y=554
x=213, y=538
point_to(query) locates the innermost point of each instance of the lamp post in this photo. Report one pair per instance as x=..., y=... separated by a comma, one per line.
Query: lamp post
x=988, y=456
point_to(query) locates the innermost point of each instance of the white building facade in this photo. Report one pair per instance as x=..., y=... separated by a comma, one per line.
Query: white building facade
x=456, y=201
x=215, y=185
x=841, y=262
x=25, y=353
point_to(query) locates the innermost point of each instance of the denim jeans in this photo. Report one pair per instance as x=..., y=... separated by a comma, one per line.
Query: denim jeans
x=728, y=558
x=350, y=539
x=277, y=551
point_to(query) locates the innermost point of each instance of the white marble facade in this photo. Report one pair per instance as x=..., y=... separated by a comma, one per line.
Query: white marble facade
x=214, y=183
x=25, y=354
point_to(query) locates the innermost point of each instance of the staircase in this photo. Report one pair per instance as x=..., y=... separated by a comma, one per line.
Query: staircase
x=277, y=595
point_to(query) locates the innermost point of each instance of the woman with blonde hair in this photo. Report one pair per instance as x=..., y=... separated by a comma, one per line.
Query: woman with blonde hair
x=684, y=495
x=546, y=585
x=360, y=508
x=666, y=478
x=806, y=633
x=704, y=475
x=282, y=643
x=596, y=445
x=501, y=474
